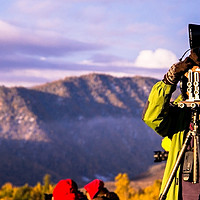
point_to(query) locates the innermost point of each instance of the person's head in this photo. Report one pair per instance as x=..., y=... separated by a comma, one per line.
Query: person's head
x=66, y=190
x=93, y=188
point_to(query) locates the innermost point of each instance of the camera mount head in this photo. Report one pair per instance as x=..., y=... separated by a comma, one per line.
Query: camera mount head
x=193, y=89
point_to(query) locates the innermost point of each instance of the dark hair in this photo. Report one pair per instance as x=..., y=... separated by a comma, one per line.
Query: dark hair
x=74, y=185
x=48, y=196
x=104, y=194
x=112, y=196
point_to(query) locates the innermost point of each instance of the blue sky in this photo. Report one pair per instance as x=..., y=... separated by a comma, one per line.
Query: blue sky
x=43, y=41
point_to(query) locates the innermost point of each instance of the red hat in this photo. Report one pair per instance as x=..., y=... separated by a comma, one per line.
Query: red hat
x=65, y=190
x=93, y=187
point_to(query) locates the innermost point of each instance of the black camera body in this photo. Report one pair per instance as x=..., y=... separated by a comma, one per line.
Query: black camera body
x=194, y=36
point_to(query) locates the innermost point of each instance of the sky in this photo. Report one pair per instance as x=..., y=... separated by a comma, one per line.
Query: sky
x=48, y=40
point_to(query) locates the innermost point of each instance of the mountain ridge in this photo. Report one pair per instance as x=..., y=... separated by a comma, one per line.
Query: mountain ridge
x=79, y=127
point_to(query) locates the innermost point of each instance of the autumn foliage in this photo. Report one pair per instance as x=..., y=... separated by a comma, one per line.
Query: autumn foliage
x=122, y=183
x=26, y=192
x=126, y=192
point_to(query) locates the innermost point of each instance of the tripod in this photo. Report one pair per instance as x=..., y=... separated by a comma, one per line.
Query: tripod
x=191, y=134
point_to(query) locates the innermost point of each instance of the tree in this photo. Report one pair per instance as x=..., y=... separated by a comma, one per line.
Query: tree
x=22, y=193
x=37, y=192
x=123, y=189
x=126, y=192
x=6, y=191
x=46, y=182
x=153, y=190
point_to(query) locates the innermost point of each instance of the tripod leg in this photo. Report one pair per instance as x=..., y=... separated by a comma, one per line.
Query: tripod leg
x=195, y=161
x=196, y=146
x=198, y=158
x=175, y=167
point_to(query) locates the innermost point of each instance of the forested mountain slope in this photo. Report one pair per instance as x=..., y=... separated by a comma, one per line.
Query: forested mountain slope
x=80, y=127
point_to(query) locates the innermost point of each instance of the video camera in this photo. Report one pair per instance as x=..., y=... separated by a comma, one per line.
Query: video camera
x=194, y=39
x=194, y=36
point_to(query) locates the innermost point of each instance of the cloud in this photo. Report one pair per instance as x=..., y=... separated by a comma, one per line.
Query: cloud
x=32, y=77
x=119, y=64
x=14, y=39
x=34, y=71
x=36, y=6
x=142, y=28
x=106, y=60
x=160, y=58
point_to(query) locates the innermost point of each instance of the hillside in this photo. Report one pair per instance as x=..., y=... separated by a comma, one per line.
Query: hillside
x=155, y=172
x=80, y=127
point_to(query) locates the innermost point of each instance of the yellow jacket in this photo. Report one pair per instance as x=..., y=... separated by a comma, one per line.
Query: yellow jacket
x=168, y=120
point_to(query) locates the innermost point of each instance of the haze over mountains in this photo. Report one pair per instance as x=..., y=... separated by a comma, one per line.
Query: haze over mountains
x=80, y=127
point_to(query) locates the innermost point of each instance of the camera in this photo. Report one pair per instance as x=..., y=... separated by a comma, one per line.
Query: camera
x=194, y=36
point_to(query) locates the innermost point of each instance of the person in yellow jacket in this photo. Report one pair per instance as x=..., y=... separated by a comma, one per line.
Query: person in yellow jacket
x=172, y=122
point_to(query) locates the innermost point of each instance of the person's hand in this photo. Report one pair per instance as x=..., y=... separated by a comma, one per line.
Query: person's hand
x=175, y=72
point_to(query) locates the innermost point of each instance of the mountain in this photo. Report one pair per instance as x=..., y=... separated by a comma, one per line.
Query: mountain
x=80, y=127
